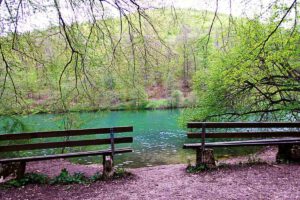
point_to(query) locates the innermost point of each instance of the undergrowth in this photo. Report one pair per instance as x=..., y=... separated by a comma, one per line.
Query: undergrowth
x=64, y=178
x=197, y=168
x=252, y=160
x=29, y=178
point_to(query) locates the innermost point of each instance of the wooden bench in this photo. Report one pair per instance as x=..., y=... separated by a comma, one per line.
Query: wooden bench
x=68, y=141
x=285, y=138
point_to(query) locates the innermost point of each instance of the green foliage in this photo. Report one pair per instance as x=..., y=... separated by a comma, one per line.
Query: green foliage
x=175, y=99
x=103, y=75
x=121, y=173
x=253, y=78
x=156, y=104
x=29, y=178
x=245, y=67
x=118, y=173
x=65, y=178
x=197, y=169
x=96, y=177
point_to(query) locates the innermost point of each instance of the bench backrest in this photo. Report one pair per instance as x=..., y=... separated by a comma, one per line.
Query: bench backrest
x=111, y=139
x=291, y=129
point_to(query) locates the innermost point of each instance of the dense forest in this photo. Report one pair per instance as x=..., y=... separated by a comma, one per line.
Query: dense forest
x=215, y=65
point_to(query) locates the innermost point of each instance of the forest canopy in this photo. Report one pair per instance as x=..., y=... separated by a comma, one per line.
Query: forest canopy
x=128, y=54
x=247, y=80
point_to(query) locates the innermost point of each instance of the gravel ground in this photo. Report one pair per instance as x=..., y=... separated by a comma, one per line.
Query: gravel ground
x=258, y=181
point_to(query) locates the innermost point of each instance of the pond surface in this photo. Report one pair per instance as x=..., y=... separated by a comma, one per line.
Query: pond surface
x=158, y=139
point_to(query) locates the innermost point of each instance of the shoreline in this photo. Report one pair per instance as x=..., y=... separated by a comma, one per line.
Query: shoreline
x=93, y=110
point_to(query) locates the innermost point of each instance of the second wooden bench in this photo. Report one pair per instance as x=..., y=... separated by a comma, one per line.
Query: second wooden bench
x=285, y=138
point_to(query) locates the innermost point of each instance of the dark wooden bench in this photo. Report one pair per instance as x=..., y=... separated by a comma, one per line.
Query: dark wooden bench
x=286, y=137
x=67, y=137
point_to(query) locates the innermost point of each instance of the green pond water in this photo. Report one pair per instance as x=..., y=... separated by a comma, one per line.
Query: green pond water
x=158, y=139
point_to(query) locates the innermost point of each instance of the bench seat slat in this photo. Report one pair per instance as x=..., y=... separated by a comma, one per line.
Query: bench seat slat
x=49, y=145
x=20, y=136
x=246, y=134
x=244, y=124
x=244, y=143
x=66, y=155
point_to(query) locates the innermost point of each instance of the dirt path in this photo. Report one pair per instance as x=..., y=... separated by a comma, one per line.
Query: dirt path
x=263, y=181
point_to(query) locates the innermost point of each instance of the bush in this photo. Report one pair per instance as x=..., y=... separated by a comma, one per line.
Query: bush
x=96, y=177
x=29, y=178
x=157, y=104
x=121, y=173
x=65, y=178
x=175, y=99
x=196, y=169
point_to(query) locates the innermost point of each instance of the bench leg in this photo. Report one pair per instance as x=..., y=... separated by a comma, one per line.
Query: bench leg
x=108, y=168
x=206, y=157
x=8, y=169
x=21, y=170
x=288, y=152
